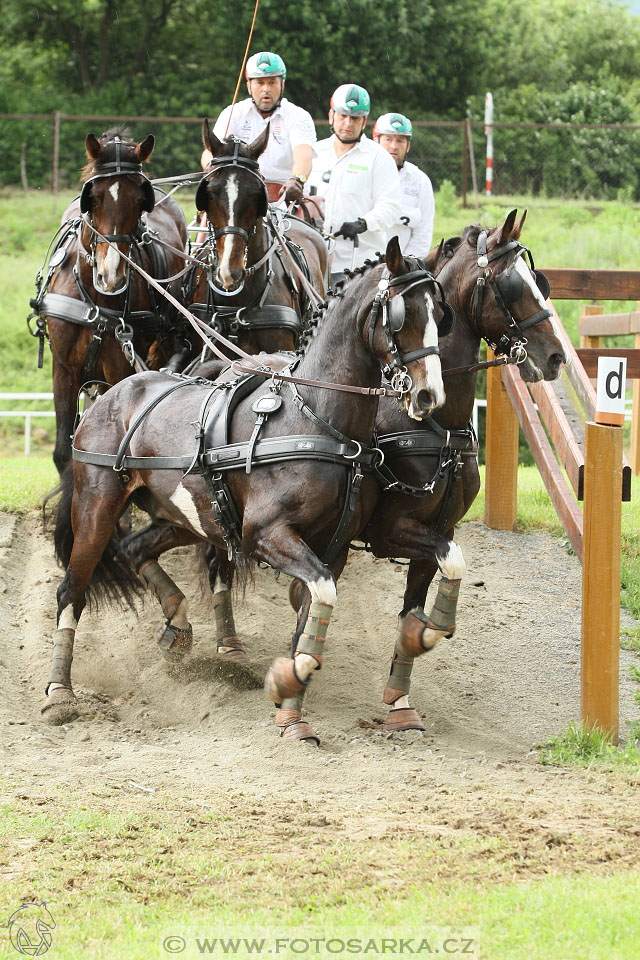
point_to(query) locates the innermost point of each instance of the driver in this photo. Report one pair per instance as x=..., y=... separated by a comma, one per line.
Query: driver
x=286, y=162
x=415, y=225
x=358, y=180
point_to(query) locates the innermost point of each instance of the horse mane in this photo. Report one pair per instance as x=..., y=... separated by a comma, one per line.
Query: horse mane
x=470, y=234
x=108, y=155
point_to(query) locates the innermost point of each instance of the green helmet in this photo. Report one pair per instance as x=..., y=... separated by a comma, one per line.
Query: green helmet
x=265, y=64
x=351, y=100
x=392, y=124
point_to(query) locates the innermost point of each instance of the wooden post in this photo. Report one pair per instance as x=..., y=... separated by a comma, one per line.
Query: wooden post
x=601, y=578
x=56, y=152
x=591, y=310
x=501, y=455
x=634, y=455
x=465, y=163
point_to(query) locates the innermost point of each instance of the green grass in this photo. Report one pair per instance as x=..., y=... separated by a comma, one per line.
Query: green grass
x=123, y=873
x=585, y=747
x=25, y=481
x=630, y=639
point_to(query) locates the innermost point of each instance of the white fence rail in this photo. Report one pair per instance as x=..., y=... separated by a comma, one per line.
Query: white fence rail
x=27, y=414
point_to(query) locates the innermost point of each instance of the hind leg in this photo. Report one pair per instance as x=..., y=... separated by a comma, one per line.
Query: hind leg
x=93, y=519
x=419, y=633
x=221, y=572
x=142, y=549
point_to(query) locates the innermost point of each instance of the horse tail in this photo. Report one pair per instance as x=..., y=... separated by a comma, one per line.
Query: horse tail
x=114, y=578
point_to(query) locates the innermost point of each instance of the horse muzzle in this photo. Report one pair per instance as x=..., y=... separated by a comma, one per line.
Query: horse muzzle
x=109, y=271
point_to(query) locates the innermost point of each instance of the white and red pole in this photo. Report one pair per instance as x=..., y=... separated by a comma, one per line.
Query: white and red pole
x=488, y=129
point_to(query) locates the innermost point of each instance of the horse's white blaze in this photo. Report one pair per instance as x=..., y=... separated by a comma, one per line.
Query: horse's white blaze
x=113, y=190
x=182, y=499
x=67, y=620
x=452, y=562
x=433, y=369
x=227, y=246
x=529, y=279
x=323, y=591
x=109, y=267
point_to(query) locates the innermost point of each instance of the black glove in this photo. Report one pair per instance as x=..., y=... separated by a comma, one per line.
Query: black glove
x=351, y=228
x=292, y=190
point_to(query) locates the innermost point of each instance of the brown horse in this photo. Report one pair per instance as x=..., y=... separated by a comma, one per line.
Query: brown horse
x=297, y=447
x=98, y=315
x=422, y=502
x=249, y=285
x=429, y=477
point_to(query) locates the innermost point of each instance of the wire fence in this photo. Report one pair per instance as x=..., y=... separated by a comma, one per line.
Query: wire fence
x=570, y=160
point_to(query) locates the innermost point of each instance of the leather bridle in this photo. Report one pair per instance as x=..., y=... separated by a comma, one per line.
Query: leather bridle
x=383, y=305
x=512, y=344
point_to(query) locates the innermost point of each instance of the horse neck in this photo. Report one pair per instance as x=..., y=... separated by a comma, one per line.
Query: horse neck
x=460, y=349
x=337, y=354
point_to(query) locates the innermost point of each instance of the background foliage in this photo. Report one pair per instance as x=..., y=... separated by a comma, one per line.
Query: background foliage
x=546, y=62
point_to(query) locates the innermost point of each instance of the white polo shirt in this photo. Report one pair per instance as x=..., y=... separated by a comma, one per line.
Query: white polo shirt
x=289, y=127
x=418, y=206
x=363, y=182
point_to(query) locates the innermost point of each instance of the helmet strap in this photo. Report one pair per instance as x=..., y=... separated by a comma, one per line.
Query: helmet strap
x=343, y=139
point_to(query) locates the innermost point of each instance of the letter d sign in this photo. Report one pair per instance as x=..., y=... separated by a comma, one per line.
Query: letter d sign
x=612, y=375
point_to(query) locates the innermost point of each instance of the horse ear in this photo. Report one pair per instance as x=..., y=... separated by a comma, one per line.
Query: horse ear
x=144, y=150
x=210, y=141
x=432, y=259
x=394, y=258
x=450, y=246
x=506, y=230
x=93, y=146
x=517, y=230
x=259, y=144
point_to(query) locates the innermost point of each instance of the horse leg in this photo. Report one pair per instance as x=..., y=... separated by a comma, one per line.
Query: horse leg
x=288, y=678
x=221, y=571
x=65, y=389
x=93, y=520
x=419, y=633
x=175, y=635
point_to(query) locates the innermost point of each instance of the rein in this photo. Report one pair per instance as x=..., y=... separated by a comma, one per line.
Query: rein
x=263, y=371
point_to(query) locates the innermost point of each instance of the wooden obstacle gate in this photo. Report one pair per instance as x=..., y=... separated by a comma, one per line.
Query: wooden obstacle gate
x=578, y=460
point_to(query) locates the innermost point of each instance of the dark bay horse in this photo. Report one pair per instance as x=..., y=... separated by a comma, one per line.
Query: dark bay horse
x=97, y=314
x=297, y=447
x=248, y=286
x=505, y=309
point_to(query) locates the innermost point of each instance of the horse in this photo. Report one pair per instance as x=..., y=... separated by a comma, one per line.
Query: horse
x=500, y=299
x=429, y=477
x=250, y=286
x=298, y=454
x=99, y=318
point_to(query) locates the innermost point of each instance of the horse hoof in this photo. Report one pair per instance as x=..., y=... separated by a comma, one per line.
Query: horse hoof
x=403, y=718
x=232, y=653
x=174, y=642
x=281, y=681
x=293, y=727
x=60, y=706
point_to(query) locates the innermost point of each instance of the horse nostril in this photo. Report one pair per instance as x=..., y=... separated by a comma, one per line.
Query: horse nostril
x=555, y=361
x=425, y=398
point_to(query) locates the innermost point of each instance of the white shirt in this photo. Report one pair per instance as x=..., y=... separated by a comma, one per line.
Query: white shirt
x=418, y=206
x=289, y=127
x=363, y=182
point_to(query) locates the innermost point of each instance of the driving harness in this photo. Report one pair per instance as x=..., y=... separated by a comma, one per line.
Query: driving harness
x=123, y=322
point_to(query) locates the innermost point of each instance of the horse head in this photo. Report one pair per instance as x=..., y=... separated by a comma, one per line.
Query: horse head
x=115, y=195
x=411, y=308
x=234, y=196
x=506, y=297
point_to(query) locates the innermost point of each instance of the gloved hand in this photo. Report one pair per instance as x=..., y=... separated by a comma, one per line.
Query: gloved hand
x=351, y=228
x=292, y=190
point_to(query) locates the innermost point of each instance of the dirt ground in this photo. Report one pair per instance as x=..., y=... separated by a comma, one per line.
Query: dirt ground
x=505, y=682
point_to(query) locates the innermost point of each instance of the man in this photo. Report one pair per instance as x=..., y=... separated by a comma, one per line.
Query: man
x=286, y=162
x=358, y=180
x=415, y=226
